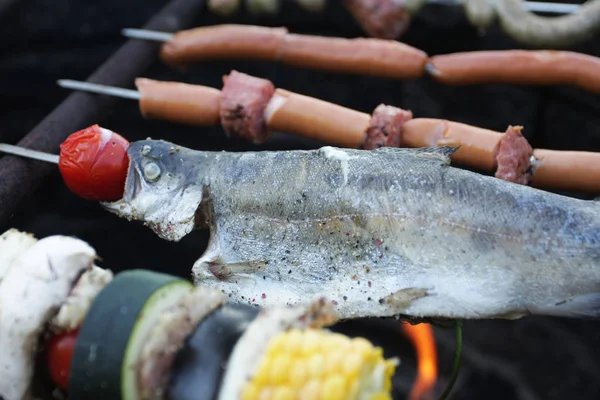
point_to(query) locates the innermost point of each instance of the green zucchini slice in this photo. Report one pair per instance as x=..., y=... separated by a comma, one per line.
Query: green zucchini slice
x=112, y=335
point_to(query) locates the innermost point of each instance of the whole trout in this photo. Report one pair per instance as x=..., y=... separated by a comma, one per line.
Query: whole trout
x=386, y=232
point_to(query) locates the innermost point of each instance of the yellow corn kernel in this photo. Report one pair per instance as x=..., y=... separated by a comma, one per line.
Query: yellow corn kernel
x=310, y=391
x=333, y=362
x=293, y=341
x=278, y=345
x=298, y=374
x=380, y=396
x=334, y=388
x=262, y=373
x=352, y=365
x=316, y=364
x=280, y=368
x=362, y=346
x=283, y=393
x=353, y=389
x=337, y=341
x=250, y=392
x=311, y=342
x=266, y=393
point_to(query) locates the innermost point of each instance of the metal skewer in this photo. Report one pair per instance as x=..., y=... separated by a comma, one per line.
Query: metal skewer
x=534, y=6
x=28, y=153
x=99, y=89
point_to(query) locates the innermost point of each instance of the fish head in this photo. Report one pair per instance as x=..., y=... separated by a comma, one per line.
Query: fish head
x=163, y=188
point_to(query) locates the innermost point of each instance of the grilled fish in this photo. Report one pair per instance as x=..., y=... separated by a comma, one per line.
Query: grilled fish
x=387, y=232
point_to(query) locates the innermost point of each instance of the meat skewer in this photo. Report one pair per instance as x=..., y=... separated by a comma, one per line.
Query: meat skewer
x=147, y=335
x=542, y=67
x=381, y=233
x=375, y=57
x=269, y=109
x=368, y=56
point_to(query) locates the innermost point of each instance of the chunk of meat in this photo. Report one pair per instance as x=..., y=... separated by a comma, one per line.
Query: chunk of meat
x=385, y=127
x=513, y=157
x=243, y=102
x=382, y=19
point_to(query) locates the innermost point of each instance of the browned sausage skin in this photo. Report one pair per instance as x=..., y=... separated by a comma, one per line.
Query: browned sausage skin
x=178, y=102
x=377, y=57
x=577, y=171
x=477, y=145
x=223, y=42
x=543, y=67
x=367, y=56
x=316, y=119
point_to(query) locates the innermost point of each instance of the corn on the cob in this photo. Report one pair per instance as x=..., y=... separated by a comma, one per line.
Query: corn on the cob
x=316, y=364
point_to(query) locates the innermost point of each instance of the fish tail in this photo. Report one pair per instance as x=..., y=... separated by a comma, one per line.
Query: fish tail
x=585, y=306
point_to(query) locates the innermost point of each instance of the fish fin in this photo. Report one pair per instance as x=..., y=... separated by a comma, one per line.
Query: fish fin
x=403, y=298
x=225, y=271
x=441, y=153
x=585, y=306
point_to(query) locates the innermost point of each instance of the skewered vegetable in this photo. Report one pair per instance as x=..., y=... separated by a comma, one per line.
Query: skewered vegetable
x=93, y=163
x=319, y=364
x=149, y=335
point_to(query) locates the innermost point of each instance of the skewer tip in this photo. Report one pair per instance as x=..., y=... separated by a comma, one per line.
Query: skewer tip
x=144, y=34
x=99, y=89
x=28, y=153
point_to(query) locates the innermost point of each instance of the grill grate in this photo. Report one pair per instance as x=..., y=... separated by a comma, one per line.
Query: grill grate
x=530, y=359
x=20, y=177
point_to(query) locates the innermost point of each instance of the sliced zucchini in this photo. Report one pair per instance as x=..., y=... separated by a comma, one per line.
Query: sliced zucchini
x=114, y=330
x=200, y=364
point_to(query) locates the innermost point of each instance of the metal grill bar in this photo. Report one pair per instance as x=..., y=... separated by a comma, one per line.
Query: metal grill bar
x=19, y=177
x=7, y=5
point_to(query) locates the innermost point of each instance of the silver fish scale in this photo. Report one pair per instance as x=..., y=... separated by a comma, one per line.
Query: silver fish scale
x=380, y=233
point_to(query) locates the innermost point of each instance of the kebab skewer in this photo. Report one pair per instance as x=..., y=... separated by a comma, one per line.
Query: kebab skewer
x=389, y=19
x=249, y=107
x=147, y=335
x=374, y=57
x=385, y=232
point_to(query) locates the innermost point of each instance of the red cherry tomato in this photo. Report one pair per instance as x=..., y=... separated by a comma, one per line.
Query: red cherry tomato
x=58, y=357
x=93, y=163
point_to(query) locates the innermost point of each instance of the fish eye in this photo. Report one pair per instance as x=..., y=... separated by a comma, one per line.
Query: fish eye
x=152, y=171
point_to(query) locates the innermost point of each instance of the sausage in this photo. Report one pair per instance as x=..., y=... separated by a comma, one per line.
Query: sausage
x=513, y=157
x=543, y=67
x=223, y=42
x=385, y=127
x=566, y=170
x=316, y=119
x=368, y=56
x=242, y=107
x=179, y=102
x=383, y=19
x=477, y=145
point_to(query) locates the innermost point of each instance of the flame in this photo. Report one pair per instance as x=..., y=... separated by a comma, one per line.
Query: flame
x=422, y=338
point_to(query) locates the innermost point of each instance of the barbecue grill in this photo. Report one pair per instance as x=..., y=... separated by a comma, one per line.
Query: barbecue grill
x=43, y=40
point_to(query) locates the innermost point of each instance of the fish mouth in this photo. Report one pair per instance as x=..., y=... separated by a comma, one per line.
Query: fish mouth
x=171, y=215
x=133, y=187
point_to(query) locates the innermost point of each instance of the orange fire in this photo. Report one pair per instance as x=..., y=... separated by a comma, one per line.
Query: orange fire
x=422, y=338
